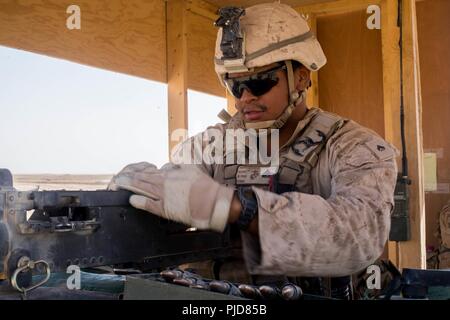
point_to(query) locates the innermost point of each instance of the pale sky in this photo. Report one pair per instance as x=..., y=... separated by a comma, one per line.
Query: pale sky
x=58, y=116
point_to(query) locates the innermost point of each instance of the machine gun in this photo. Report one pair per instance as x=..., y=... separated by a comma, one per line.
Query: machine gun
x=51, y=230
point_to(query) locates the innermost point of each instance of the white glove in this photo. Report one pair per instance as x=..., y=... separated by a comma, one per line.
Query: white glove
x=130, y=170
x=181, y=193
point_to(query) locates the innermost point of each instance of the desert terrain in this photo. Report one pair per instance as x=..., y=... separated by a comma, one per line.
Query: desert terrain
x=26, y=182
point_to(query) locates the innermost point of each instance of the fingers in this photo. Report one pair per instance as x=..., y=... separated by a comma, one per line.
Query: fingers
x=170, y=166
x=151, y=189
x=155, y=177
x=138, y=167
x=129, y=170
x=147, y=204
x=112, y=185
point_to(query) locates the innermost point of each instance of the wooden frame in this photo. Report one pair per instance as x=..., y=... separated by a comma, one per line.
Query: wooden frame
x=413, y=253
x=410, y=253
x=176, y=67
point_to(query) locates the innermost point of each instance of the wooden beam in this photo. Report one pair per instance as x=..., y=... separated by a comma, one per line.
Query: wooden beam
x=409, y=253
x=338, y=6
x=121, y=36
x=176, y=67
x=391, y=86
x=203, y=9
x=412, y=253
x=201, y=47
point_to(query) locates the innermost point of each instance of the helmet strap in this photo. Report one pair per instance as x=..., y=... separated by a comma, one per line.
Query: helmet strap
x=294, y=99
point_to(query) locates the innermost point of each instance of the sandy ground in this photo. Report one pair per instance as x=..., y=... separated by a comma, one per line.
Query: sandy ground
x=57, y=182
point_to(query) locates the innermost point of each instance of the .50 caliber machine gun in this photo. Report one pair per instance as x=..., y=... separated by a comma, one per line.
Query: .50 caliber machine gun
x=52, y=230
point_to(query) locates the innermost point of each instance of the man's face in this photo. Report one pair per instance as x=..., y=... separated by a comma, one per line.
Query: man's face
x=268, y=106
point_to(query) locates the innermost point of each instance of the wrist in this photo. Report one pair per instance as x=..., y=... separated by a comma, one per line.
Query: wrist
x=235, y=209
x=249, y=207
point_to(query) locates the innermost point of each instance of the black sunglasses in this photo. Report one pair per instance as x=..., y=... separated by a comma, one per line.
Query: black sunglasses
x=258, y=84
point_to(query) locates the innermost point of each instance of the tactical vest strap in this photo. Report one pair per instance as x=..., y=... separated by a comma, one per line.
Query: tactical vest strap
x=295, y=166
x=307, y=147
x=314, y=155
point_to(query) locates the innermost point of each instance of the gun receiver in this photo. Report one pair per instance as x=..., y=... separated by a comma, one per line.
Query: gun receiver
x=93, y=228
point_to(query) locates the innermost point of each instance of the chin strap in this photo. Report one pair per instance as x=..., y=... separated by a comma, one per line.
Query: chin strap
x=294, y=99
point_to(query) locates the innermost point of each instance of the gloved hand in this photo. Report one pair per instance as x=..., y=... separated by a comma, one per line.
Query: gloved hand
x=182, y=193
x=130, y=170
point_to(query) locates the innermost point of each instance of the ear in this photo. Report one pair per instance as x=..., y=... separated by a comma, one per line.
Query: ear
x=302, y=78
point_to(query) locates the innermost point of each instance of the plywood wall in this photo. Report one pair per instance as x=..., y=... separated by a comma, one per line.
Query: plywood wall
x=350, y=84
x=124, y=36
x=434, y=52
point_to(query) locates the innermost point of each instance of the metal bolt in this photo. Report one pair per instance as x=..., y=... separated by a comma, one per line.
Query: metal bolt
x=11, y=211
x=11, y=198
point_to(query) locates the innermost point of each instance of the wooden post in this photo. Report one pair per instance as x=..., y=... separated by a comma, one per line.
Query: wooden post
x=176, y=67
x=203, y=9
x=391, y=86
x=312, y=98
x=411, y=253
x=338, y=6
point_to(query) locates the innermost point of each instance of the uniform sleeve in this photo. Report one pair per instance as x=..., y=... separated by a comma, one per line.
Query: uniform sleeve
x=306, y=235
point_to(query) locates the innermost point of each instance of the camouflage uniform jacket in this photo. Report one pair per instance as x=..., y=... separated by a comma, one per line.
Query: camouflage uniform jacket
x=334, y=225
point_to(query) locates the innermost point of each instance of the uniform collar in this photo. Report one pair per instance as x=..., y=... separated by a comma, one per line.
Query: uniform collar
x=236, y=122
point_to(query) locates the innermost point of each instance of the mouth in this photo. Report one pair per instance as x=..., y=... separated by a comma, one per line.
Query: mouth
x=252, y=115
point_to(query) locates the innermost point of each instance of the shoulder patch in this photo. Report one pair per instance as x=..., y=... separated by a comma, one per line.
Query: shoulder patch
x=381, y=149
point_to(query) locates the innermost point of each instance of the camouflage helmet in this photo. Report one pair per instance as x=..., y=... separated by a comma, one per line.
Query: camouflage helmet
x=270, y=32
x=262, y=35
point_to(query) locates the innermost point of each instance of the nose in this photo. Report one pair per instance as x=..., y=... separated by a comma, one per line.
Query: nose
x=247, y=97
